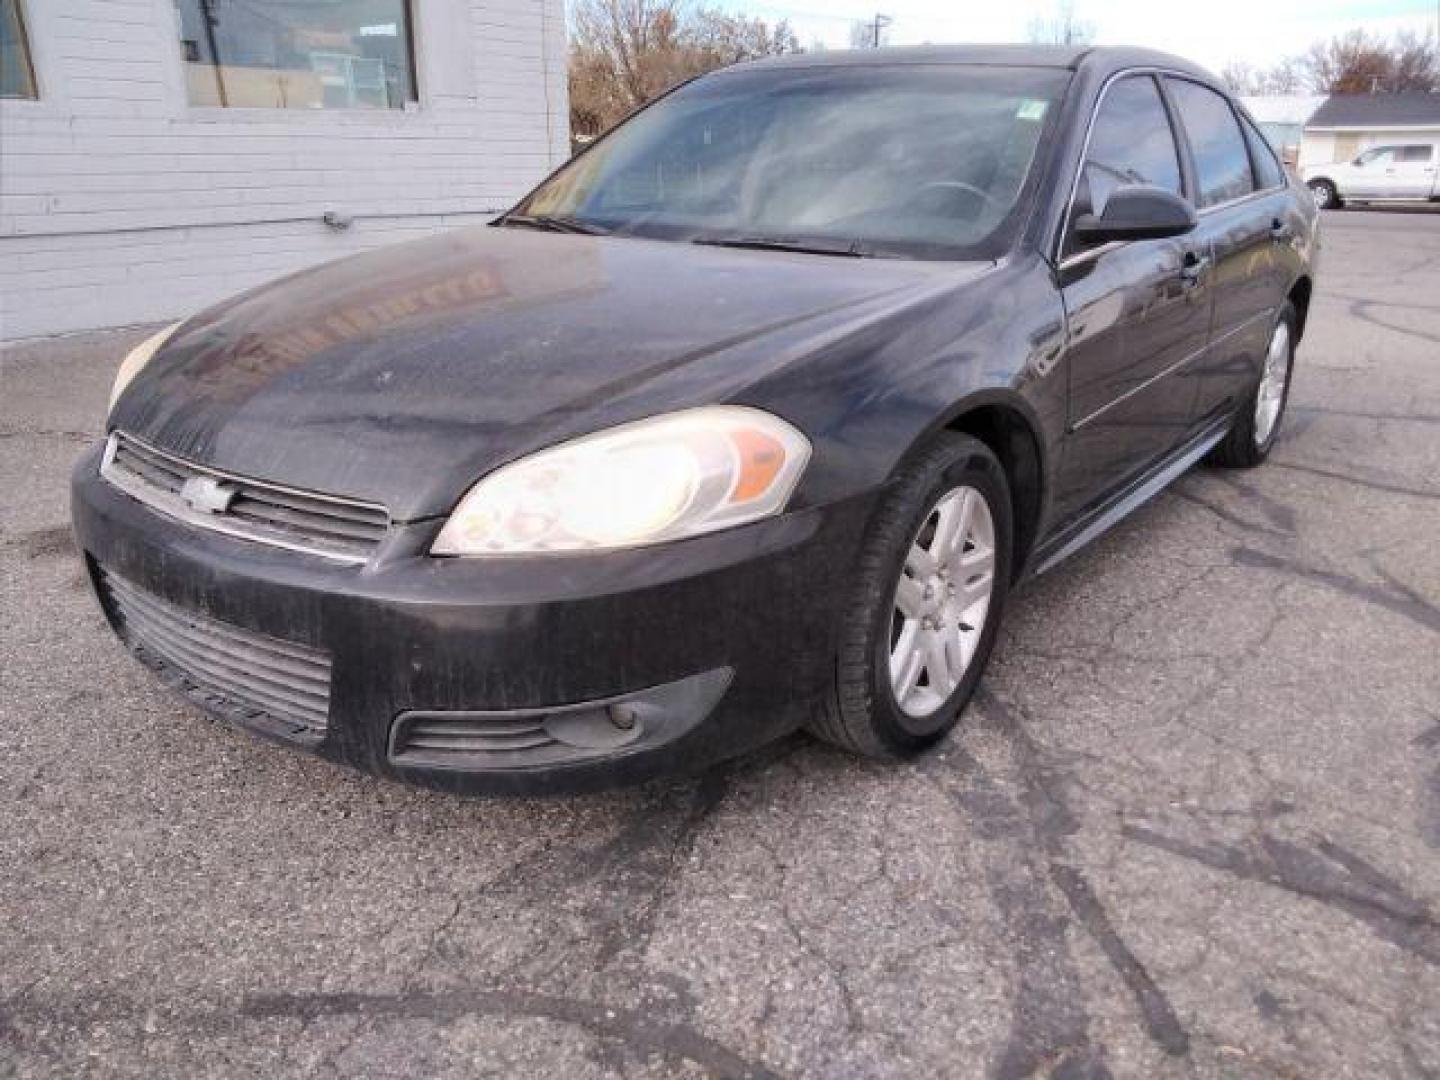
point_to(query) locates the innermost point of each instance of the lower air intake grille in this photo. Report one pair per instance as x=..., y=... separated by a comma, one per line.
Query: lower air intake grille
x=277, y=686
x=440, y=735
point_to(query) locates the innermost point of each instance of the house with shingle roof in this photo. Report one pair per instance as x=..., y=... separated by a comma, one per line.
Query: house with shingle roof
x=1348, y=124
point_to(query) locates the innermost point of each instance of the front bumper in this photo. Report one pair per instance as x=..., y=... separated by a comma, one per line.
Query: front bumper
x=742, y=621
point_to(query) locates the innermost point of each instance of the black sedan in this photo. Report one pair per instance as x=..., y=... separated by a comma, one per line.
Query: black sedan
x=747, y=419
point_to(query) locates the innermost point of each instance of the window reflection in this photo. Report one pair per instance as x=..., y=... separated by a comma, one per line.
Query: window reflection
x=297, y=54
x=17, y=73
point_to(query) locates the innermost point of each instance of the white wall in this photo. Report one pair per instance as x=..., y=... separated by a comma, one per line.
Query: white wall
x=120, y=203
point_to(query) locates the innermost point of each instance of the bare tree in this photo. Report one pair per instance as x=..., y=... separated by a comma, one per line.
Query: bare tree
x=1354, y=63
x=624, y=53
x=1360, y=63
x=1415, y=63
x=1240, y=78
x=1063, y=28
x=721, y=38
x=1283, y=78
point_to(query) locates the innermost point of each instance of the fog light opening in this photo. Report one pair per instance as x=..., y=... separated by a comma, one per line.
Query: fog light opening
x=604, y=727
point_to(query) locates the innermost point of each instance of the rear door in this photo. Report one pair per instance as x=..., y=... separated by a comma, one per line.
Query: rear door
x=1242, y=223
x=1138, y=312
x=1414, y=171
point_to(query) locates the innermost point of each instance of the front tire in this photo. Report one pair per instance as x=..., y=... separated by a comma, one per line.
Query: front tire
x=925, y=606
x=1325, y=195
x=1257, y=425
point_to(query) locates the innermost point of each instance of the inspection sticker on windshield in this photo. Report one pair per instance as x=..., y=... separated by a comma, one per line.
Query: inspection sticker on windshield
x=1031, y=110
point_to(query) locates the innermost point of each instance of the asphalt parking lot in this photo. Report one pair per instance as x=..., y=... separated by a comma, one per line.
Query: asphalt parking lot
x=1191, y=826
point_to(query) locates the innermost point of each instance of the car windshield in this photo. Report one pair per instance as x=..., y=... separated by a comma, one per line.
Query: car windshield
x=912, y=160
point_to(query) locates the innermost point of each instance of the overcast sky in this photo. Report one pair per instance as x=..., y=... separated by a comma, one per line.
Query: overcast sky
x=1211, y=32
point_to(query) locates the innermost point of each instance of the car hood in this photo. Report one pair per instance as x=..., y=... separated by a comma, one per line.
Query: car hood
x=403, y=375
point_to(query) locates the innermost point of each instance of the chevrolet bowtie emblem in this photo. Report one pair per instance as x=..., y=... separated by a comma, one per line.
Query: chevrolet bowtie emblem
x=208, y=495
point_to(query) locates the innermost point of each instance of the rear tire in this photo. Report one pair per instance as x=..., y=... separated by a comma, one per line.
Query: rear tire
x=1257, y=424
x=944, y=523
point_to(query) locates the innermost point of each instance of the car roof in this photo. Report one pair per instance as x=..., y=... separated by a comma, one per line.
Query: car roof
x=1102, y=60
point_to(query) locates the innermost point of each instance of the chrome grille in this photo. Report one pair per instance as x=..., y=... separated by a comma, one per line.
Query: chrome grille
x=339, y=529
x=258, y=677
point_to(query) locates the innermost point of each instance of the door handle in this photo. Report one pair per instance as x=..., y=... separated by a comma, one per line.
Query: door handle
x=1279, y=230
x=1193, y=269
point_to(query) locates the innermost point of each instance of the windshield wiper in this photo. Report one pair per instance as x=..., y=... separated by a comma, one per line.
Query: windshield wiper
x=552, y=224
x=851, y=248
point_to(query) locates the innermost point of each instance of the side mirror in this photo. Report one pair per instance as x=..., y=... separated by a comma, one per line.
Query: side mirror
x=1137, y=212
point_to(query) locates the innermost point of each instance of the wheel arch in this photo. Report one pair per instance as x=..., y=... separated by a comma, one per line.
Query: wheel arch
x=1006, y=424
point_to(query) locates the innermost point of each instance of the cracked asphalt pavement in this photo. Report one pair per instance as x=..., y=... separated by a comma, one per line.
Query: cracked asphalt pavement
x=1190, y=826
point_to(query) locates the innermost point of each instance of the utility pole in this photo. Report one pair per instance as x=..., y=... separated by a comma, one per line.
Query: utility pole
x=879, y=23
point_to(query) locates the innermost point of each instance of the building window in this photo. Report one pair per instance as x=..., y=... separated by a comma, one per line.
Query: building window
x=298, y=54
x=17, y=73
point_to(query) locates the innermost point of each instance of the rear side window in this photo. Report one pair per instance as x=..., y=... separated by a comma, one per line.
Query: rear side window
x=1130, y=143
x=1412, y=154
x=1222, y=163
x=1268, y=172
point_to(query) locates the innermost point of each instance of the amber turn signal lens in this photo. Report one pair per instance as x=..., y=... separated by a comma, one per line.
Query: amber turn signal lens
x=761, y=458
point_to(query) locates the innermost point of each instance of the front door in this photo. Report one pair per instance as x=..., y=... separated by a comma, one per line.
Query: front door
x=1137, y=312
x=1372, y=176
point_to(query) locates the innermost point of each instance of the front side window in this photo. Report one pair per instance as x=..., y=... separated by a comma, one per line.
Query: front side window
x=1413, y=155
x=297, y=54
x=17, y=73
x=923, y=161
x=1222, y=163
x=1130, y=143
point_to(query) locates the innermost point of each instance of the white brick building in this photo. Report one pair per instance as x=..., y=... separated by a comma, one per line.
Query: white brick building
x=130, y=193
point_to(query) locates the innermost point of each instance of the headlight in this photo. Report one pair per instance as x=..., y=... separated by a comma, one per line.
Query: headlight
x=135, y=361
x=665, y=478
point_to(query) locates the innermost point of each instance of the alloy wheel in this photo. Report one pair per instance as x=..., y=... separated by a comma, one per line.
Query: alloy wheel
x=1270, y=397
x=941, y=601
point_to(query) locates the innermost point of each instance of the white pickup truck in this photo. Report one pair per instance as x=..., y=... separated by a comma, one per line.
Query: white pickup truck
x=1397, y=172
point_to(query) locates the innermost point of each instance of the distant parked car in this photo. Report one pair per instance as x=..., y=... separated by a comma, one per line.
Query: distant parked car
x=747, y=419
x=1397, y=173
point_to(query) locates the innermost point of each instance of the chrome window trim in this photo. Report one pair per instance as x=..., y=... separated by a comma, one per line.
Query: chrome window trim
x=1228, y=203
x=1080, y=258
x=173, y=506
